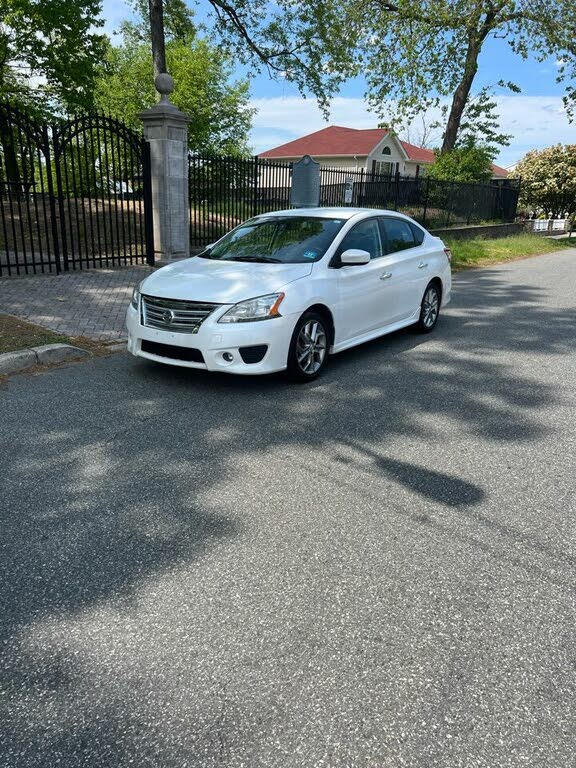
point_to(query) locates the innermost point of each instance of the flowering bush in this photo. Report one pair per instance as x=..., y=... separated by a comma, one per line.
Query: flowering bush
x=548, y=184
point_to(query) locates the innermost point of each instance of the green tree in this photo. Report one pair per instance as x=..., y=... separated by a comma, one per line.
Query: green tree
x=48, y=55
x=471, y=163
x=49, y=52
x=413, y=54
x=219, y=108
x=479, y=124
x=548, y=180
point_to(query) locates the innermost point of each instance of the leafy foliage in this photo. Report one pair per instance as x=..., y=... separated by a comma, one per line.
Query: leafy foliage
x=549, y=180
x=49, y=51
x=413, y=54
x=479, y=124
x=219, y=111
x=471, y=163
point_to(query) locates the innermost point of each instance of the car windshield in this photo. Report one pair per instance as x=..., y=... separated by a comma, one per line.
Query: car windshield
x=281, y=240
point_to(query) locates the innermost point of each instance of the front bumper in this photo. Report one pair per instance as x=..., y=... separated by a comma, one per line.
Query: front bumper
x=214, y=340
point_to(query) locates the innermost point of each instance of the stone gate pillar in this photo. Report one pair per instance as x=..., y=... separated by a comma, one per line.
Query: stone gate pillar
x=166, y=131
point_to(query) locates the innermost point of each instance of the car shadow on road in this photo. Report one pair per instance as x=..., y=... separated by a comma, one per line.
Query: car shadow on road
x=128, y=481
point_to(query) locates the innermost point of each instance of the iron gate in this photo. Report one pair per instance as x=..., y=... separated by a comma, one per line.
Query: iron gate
x=73, y=194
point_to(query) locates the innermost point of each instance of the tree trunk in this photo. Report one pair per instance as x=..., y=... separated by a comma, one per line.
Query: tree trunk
x=461, y=94
x=157, y=36
x=11, y=167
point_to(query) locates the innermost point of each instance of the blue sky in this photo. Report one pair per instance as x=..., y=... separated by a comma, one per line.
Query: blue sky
x=535, y=118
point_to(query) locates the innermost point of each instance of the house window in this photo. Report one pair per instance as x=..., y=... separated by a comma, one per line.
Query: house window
x=382, y=168
x=386, y=151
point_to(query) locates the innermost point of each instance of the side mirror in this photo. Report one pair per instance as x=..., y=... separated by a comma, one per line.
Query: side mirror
x=354, y=256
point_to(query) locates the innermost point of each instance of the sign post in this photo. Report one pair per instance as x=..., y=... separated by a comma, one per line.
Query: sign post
x=348, y=190
x=305, y=190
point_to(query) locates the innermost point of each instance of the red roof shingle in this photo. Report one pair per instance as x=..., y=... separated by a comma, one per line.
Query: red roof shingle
x=418, y=154
x=337, y=141
x=334, y=140
x=497, y=169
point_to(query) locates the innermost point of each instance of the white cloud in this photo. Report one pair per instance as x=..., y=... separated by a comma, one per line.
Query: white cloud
x=533, y=121
x=299, y=116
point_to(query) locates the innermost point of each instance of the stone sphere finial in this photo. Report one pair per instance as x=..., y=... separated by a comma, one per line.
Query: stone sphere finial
x=164, y=84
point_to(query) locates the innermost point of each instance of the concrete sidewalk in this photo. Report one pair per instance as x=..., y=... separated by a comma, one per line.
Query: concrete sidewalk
x=90, y=303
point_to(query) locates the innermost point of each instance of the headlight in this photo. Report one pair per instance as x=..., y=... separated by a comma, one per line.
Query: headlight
x=135, y=297
x=261, y=308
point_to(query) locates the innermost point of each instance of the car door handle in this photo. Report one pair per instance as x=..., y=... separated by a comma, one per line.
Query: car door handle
x=386, y=276
x=422, y=265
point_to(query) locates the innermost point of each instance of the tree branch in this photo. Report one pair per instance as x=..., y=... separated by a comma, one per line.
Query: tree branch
x=541, y=20
x=223, y=9
x=412, y=16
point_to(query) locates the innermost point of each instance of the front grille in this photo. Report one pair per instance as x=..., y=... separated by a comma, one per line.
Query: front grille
x=170, y=351
x=174, y=315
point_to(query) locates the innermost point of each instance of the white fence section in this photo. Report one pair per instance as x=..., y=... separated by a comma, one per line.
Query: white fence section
x=550, y=225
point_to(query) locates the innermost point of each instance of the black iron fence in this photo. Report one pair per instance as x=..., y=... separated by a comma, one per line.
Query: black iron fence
x=73, y=194
x=76, y=193
x=225, y=191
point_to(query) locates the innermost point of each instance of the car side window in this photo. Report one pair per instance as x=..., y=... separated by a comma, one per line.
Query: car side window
x=399, y=235
x=365, y=236
x=418, y=234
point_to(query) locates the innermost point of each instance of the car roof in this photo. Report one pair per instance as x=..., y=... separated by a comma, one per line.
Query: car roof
x=331, y=213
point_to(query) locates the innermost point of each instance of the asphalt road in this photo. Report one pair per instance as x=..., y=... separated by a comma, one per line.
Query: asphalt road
x=376, y=570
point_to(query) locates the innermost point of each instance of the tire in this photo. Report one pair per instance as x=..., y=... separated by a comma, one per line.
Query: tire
x=308, y=348
x=429, y=309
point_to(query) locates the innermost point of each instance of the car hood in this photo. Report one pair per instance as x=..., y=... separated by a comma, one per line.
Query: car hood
x=220, y=282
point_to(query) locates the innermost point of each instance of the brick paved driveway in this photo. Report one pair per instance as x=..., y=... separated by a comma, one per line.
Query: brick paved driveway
x=91, y=303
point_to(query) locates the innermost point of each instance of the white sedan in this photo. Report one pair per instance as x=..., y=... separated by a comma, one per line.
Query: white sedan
x=285, y=290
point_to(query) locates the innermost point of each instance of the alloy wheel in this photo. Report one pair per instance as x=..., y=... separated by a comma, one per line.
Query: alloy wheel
x=430, y=307
x=311, y=347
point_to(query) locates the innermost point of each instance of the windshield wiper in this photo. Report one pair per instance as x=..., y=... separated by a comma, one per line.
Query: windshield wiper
x=262, y=259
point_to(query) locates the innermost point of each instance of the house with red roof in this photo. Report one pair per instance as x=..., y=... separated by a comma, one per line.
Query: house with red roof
x=375, y=150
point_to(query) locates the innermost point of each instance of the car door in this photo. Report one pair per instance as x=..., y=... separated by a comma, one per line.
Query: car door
x=406, y=264
x=362, y=289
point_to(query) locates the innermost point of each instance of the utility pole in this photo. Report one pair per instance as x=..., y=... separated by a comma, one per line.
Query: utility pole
x=157, y=36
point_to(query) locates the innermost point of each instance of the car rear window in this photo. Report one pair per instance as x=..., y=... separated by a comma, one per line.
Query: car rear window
x=399, y=235
x=418, y=234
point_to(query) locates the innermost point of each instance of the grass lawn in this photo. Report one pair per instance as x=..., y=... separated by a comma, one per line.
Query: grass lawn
x=478, y=252
x=19, y=334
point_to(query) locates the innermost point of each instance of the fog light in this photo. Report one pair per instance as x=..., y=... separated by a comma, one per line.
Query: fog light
x=228, y=356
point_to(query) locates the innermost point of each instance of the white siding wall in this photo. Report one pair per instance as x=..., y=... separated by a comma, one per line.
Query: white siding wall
x=411, y=168
x=273, y=178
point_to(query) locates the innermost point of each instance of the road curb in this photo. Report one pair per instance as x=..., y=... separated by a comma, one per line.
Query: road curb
x=47, y=354
x=119, y=346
